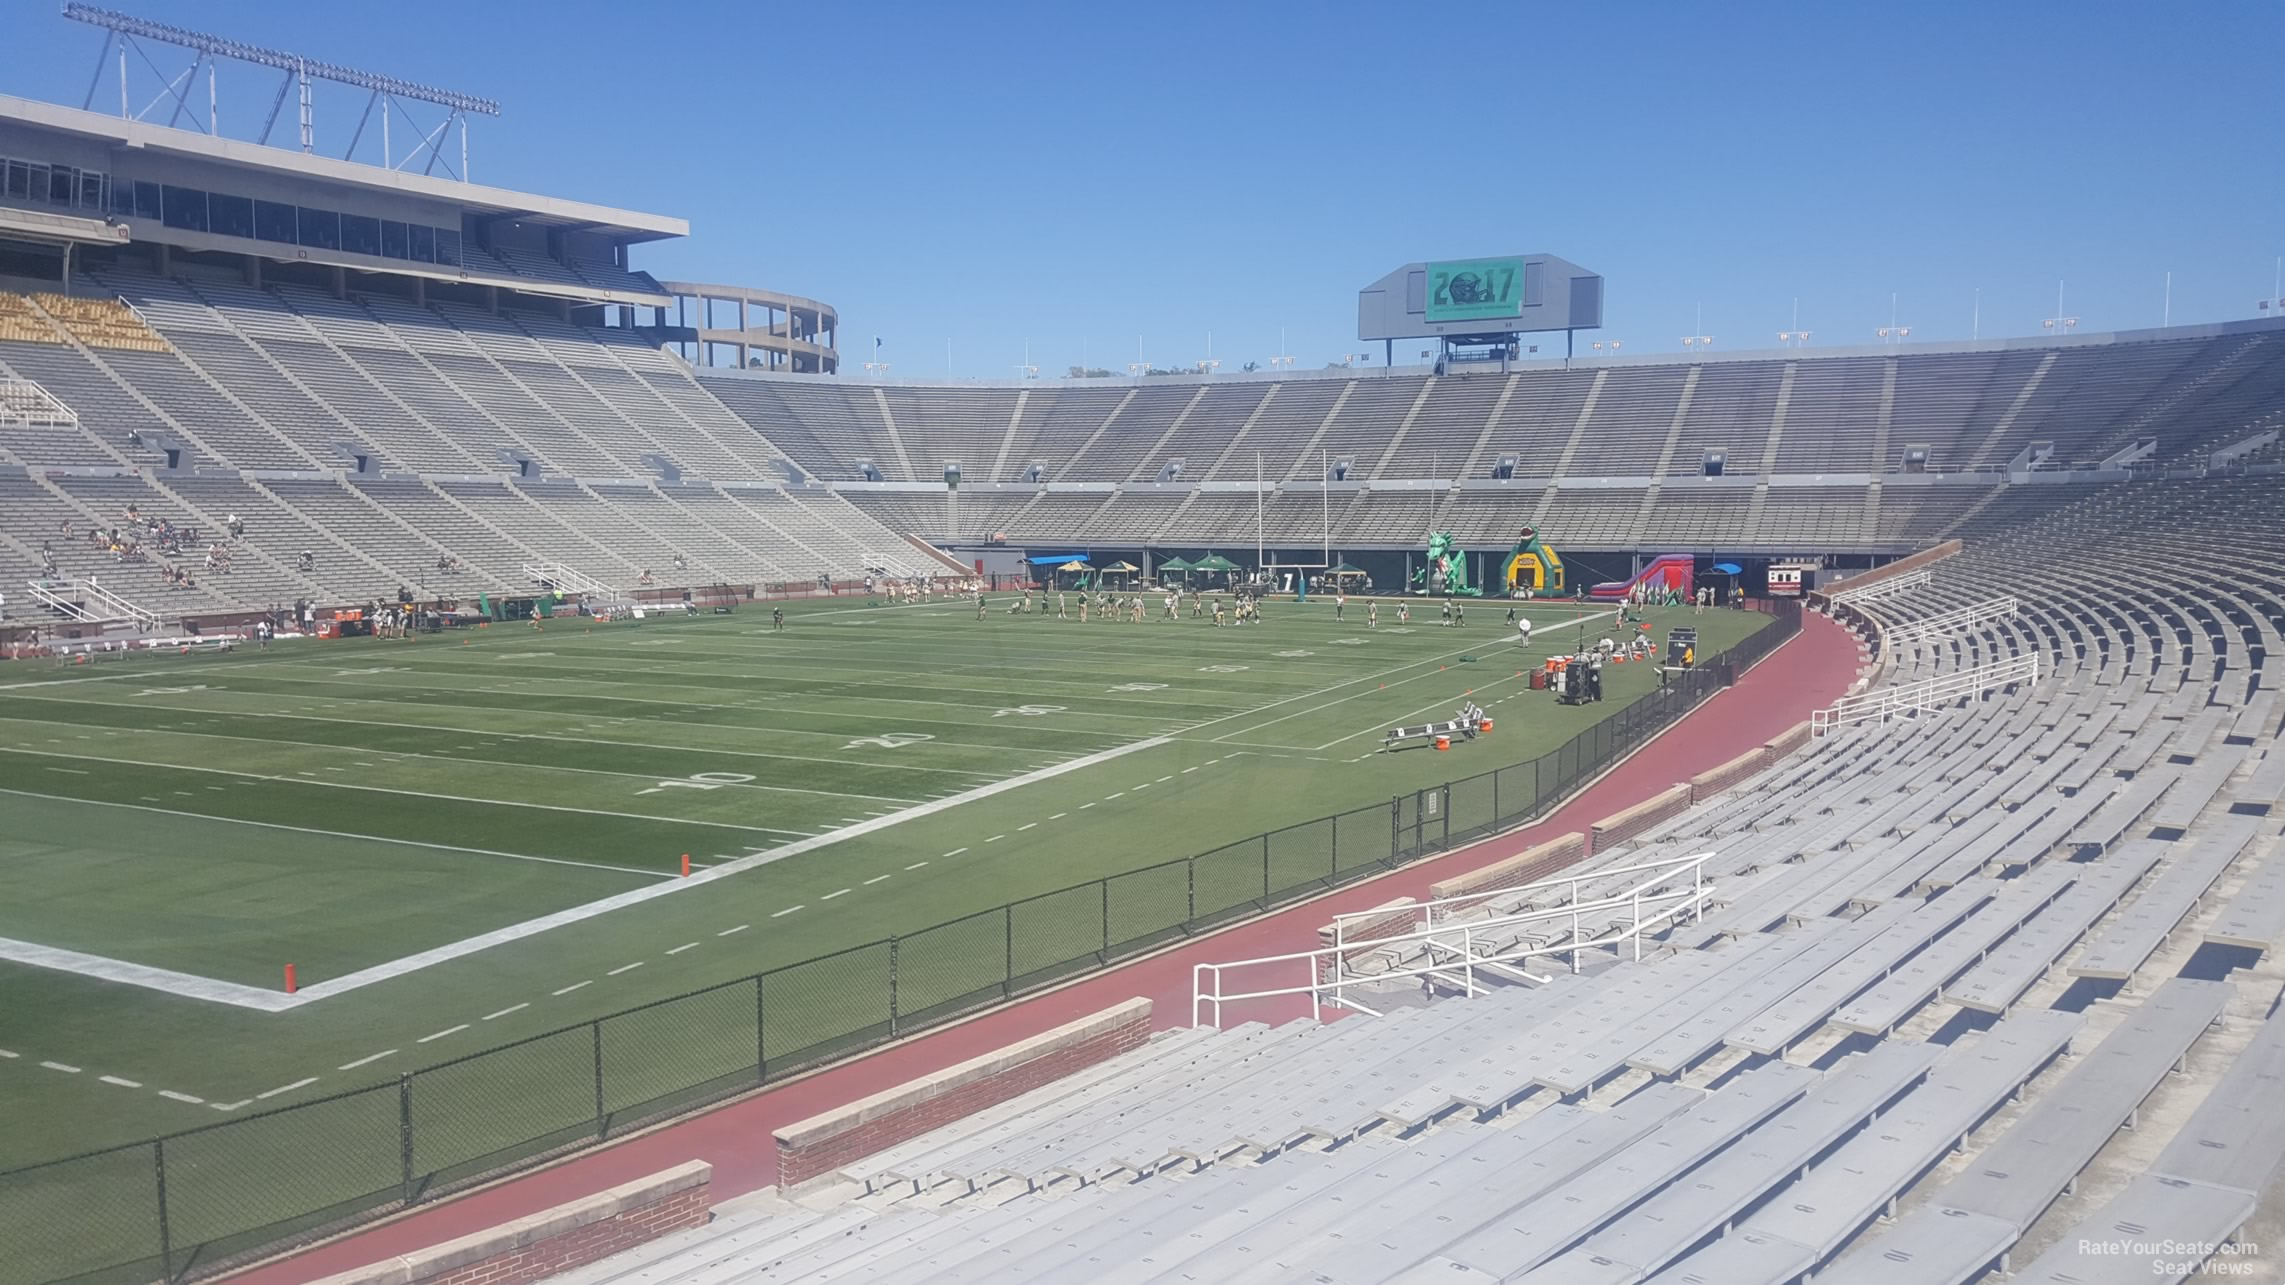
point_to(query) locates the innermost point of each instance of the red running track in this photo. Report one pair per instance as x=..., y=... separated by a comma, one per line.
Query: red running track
x=1809, y=672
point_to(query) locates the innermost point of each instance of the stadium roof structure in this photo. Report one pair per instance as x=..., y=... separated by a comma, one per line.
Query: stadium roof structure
x=525, y=207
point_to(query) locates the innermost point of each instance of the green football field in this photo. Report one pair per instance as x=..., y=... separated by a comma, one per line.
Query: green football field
x=474, y=838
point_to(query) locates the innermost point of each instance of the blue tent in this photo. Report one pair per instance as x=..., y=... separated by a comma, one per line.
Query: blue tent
x=1056, y=559
x=1728, y=568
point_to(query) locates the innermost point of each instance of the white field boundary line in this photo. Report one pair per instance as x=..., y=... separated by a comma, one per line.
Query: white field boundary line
x=190, y=986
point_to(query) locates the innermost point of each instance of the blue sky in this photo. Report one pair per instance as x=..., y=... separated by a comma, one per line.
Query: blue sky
x=1080, y=175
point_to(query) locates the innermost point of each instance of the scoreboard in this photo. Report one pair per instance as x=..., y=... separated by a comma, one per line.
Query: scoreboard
x=1475, y=289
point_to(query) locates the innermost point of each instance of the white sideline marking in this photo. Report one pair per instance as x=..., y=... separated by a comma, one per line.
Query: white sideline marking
x=124, y=1084
x=71, y=771
x=514, y=1008
x=780, y=914
x=841, y=892
x=688, y=945
x=441, y=1034
x=739, y=929
x=624, y=968
x=285, y=1088
x=207, y=988
x=574, y=986
x=185, y=1097
x=351, y=1066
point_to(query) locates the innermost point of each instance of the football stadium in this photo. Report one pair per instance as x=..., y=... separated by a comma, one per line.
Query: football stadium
x=519, y=770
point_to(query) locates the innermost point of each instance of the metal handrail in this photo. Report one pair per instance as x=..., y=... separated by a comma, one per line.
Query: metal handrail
x=1961, y=620
x=74, y=598
x=1886, y=587
x=1914, y=698
x=1459, y=949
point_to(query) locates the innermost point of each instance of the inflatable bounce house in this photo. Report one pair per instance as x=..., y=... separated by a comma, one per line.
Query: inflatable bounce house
x=1447, y=570
x=1533, y=569
x=1670, y=576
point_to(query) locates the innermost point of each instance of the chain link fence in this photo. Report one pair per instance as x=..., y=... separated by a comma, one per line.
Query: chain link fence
x=194, y=1203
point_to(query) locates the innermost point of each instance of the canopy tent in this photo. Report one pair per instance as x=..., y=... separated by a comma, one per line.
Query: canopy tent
x=1214, y=562
x=1173, y=564
x=1728, y=568
x=1054, y=559
x=1122, y=566
x=1073, y=565
x=1346, y=570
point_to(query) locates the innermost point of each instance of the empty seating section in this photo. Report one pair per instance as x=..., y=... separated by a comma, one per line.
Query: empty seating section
x=1730, y=410
x=1832, y=419
x=1119, y=447
x=1445, y=432
x=1949, y=961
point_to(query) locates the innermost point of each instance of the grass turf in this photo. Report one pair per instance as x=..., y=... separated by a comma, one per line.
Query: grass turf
x=338, y=805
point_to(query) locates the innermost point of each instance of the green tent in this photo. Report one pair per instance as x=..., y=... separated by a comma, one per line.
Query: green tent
x=1214, y=562
x=1174, y=564
x=1346, y=570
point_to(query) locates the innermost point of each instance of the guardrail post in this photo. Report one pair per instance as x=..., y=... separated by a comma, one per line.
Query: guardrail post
x=595, y=1030
x=893, y=987
x=1333, y=851
x=166, y=1236
x=405, y=1131
x=1008, y=949
x=1395, y=822
x=761, y=1048
x=1265, y=867
x=1497, y=815
x=1444, y=805
x=1106, y=921
x=1190, y=878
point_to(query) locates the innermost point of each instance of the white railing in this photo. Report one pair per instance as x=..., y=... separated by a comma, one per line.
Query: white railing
x=1964, y=620
x=88, y=603
x=25, y=403
x=1455, y=951
x=1916, y=698
x=568, y=580
x=1886, y=587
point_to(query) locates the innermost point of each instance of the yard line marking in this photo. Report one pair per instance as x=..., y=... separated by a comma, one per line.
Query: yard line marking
x=780, y=914
x=243, y=996
x=1188, y=770
x=1144, y=786
x=1059, y=816
x=285, y=1088
x=955, y=852
x=995, y=838
x=338, y=834
x=739, y=929
x=1026, y=826
x=875, y=879
x=1084, y=806
x=916, y=865
x=6, y=1054
x=624, y=968
x=71, y=770
x=58, y=1066
x=184, y=1097
x=1108, y=797
x=351, y=1066
x=505, y=1011
x=124, y=1084
x=688, y=945
x=228, y=1106
x=441, y=1034
x=574, y=986
x=831, y=895
x=1163, y=780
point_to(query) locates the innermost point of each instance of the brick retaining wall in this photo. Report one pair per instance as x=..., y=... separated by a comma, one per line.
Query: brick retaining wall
x=556, y=1240
x=825, y=1143
x=1625, y=824
x=1540, y=861
x=1714, y=780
